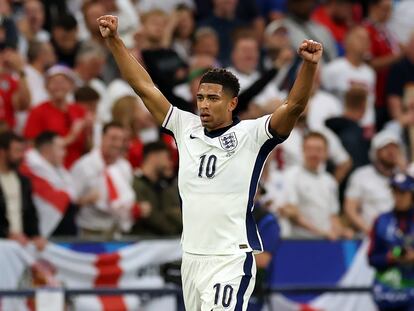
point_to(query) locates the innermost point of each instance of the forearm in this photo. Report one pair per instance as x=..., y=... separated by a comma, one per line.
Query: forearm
x=384, y=61
x=129, y=67
x=395, y=106
x=22, y=99
x=355, y=218
x=342, y=170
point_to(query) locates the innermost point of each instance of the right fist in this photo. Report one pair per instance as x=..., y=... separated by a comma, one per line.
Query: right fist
x=108, y=25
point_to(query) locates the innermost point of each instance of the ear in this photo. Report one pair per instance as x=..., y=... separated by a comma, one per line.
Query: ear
x=233, y=104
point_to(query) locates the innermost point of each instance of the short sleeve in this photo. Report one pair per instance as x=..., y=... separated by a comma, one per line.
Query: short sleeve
x=176, y=120
x=354, y=188
x=262, y=134
x=337, y=152
x=34, y=124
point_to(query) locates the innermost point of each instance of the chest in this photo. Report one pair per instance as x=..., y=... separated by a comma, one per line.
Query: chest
x=315, y=189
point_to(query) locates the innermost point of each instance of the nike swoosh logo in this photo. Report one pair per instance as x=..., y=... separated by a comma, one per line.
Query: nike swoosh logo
x=192, y=137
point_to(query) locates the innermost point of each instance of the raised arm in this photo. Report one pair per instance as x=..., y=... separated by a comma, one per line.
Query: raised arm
x=285, y=116
x=137, y=77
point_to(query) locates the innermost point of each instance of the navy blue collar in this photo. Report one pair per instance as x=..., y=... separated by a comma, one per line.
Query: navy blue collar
x=222, y=130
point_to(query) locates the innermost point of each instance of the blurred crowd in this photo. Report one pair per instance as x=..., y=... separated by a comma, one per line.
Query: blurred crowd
x=81, y=156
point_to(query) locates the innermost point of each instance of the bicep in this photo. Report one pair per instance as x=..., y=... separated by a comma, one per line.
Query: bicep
x=283, y=120
x=155, y=102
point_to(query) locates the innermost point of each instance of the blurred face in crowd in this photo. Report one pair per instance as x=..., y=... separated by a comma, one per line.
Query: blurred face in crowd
x=215, y=106
x=225, y=8
x=54, y=152
x=207, y=44
x=315, y=152
x=357, y=42
x=14, y=155
x=301, y=8
x=110, y=5
x=403, y=200
x=160, y=163
x=34, y=12
x=90, y=66
x=389, y=155
x=185, y=26
x=48, y=55
x=341, y=11
x=91, y=14
x=245, y=55
x=154, y=25
x=382, y=10
x=113, y=144
x=59, y=86
x=66, y=40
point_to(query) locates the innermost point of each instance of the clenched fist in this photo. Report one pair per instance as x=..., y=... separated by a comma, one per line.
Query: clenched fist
x=108, y=25
x=310, y=51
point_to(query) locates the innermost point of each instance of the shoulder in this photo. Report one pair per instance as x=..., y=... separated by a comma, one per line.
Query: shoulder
x=364, y=171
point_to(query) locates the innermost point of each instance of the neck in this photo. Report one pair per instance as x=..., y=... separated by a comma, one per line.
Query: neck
x=383, y=170
x=4, y=168
x=59, y=103
x=38, y=66
x=311, y=168
x=223, y=125
x=82, y=74
x=354, y=59
x=352, y=115
x=223, y=14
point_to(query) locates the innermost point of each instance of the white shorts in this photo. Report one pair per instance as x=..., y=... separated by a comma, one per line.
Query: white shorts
x=218, y=282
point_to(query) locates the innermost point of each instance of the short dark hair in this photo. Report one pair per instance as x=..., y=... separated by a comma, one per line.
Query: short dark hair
x=223, y=77
x=86, y=93
x=314, y=134
x=356, y=98
x=154, y=147
x=109, y=125
x=7, y=138
x=44, y=138
x=66, y=21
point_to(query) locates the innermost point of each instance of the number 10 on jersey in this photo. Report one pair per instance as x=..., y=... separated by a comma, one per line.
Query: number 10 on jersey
x=207, y=169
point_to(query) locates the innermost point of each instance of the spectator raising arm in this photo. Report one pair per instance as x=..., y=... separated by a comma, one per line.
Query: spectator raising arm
x=132, y=71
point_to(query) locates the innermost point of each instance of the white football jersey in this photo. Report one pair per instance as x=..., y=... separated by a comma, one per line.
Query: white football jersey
x=218, y=176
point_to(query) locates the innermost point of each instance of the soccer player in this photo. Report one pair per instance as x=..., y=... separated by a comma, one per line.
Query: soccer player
x=221, y=160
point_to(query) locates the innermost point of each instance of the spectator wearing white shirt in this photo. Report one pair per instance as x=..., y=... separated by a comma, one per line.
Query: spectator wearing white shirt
x=311, y=194
x=368, y=193
x=105, y=171
x=245, y=61
x=342, y=73
x=40, y=57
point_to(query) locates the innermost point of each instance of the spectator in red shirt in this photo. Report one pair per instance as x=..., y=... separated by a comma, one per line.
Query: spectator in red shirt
x=14, y=91
x=385, y=51
x=59, y=115
x=338, y=16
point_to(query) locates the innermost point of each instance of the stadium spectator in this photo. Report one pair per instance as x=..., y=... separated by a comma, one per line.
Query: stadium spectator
x=224, y=20
x=391, y=251
x=342, y=73
x=385, y=51
x=168, y=7
x=65, y=39
x=290, y=153
x=155, y=184
x=18, y=217
x=300, y=27
x=14, y=90
x=402, y=23
x=53, y=186
x=400, y=84
x=179, y=30
x=206, y=43
x=104, y=171
x=31, y=25
x=59, y=115
x=311, y=194
x=338, y=16
x=348, y=129
x=245, y=61
x=368, y=193
x=163, y=63
x=40, y=57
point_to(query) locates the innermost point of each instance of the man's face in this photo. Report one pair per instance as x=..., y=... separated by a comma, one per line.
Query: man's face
x=113, y=143
x=358, y=42
x=162, y=164
x=15, y=154
x=66, y=40
x=35, y=14
x=389, y=155
x=154, y=27
x=48, y=55
x=91, y=15
x=301, y=8
x=402, y=199
x=214, y=105
x=58, y=151
x=225, y=6
x=314, y=152
x=208, y=45
x=384, y=10
x=245, y=55
x=59, y=86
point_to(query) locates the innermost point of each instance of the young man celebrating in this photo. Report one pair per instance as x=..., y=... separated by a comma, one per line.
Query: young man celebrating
x=221, y=159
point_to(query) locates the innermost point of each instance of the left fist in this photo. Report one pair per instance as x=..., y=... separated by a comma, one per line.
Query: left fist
x=311, y=51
